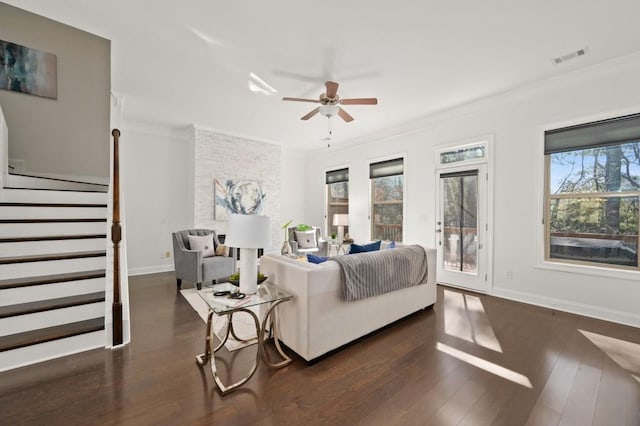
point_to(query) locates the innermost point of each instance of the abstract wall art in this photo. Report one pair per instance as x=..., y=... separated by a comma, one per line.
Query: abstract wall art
x=27, y=70
x=233, y=196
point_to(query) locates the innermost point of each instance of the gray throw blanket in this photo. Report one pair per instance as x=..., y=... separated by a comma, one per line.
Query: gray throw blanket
x=378, y=272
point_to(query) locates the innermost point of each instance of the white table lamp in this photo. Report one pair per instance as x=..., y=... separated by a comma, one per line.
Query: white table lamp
x=248, y=233
x=341, y=220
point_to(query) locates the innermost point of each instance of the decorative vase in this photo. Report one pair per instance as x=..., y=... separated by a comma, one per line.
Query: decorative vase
x=286, y=249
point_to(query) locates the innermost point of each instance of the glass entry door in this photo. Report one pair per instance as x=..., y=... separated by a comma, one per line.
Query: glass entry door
x=461, y=228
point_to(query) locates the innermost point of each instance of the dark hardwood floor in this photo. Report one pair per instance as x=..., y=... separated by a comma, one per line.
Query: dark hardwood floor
x=473, y=360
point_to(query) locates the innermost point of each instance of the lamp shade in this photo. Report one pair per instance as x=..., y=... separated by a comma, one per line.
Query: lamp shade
x=341, y=219
x=248, y=231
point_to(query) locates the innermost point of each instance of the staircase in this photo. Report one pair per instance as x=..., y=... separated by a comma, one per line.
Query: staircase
x=53, y=241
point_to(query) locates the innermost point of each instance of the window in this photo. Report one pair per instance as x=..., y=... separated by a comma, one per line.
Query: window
x=387, y=195
x=468, y=153
x=337, y=197
x=593, y=193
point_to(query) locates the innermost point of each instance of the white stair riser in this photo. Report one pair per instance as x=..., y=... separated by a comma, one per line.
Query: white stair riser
x=36, y=269
x=51, y=350
x=20, y=212
x=15, y=296
x=9, y=230
x=22, y=323
x=34, y=182
x=27, y=248
x=28, y=196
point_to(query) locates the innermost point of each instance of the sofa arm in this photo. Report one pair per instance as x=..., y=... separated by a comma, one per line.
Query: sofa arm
x=323, y=248
x=188, y=265
x=294, y=247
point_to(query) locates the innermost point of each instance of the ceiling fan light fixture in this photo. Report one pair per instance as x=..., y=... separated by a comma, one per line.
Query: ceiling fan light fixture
x=329, y=110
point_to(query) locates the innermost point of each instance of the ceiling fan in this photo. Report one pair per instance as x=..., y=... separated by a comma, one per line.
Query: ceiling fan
x=330, y=101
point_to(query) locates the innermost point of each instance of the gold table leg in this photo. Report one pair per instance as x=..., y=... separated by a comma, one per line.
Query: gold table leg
x=209, y=354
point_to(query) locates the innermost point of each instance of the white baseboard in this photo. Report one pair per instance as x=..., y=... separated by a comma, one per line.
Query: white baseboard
x=620, y=317
x=150, y=270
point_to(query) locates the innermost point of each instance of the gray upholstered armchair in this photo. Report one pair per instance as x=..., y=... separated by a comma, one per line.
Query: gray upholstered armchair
x=192, y=266
x=304, y=242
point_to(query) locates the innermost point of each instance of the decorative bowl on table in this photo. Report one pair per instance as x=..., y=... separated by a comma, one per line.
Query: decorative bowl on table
x=237, y=282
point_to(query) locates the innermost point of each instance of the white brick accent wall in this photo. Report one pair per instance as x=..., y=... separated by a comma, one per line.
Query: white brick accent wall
x=219, y=156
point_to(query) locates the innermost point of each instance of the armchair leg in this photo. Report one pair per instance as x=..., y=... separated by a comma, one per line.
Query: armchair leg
x=179, y=283
x=199, y=286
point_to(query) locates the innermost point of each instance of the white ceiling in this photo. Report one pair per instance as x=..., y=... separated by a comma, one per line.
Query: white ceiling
x=189, y=61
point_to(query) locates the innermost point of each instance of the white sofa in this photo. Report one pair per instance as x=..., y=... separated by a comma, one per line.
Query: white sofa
x=317, y=321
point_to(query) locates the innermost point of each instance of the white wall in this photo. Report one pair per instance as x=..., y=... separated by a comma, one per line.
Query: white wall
x=4, y=150
x=516, y=120
x=222, y=157
x=154, y=179
x=160, y=171
x=292, y=191
x=49, y=135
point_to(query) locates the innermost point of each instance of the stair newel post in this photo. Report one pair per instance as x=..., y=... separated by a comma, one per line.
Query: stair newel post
x=116, y=237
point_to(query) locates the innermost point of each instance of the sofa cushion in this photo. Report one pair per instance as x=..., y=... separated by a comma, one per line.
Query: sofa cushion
x=357, y=248
x=203, y=243
x=316, y=259
x=306, y=239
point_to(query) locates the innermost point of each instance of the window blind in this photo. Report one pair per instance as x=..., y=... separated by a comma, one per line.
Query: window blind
x=335, y=176
x=386, y=168
x=613, y=131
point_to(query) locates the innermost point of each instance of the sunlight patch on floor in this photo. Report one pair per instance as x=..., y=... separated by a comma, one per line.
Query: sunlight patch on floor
x=485, y=365
x=465, y=318
x=625, y=354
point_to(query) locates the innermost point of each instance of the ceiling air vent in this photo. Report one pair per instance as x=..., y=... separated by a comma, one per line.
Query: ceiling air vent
x=569, y=56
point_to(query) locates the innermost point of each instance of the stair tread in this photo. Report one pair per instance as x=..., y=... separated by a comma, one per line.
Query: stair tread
x=50, y=304
x=28, y=204
x=52, y=238
x=55, y=256
x=64, y=220
x=104, y=191
x=19, y=340
x=51, y=279
x=58, y=179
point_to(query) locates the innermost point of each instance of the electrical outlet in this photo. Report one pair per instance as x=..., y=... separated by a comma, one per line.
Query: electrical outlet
x=509, y=275
x=167, y=254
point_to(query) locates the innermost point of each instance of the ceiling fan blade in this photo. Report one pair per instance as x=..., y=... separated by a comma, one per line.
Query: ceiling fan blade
x=315, y=101
x=359, y=101
x=311, y=114
x=344, y=115
x=332, y=89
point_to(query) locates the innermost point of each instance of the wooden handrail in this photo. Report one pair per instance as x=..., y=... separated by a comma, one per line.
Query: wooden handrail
x=116, y=237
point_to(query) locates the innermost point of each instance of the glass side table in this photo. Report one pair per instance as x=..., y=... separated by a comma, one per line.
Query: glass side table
x=340, y=247
x=268, y=295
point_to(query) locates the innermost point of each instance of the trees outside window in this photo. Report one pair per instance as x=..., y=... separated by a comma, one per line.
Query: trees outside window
x=592, y=203
x=387, y=199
